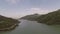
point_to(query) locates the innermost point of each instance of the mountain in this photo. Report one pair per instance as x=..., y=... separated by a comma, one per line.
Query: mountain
x=7, y=23
x=52, y=18
x=30, y=17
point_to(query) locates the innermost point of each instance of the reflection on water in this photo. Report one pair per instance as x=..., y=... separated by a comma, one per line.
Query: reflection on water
x=32, y=27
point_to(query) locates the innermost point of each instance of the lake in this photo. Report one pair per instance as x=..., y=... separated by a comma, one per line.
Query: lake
x=32, y=27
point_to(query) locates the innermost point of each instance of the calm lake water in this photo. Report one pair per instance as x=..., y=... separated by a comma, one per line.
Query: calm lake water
x=32, y=27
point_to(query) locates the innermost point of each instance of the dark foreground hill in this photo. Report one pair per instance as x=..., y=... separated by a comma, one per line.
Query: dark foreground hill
x=7, y=23
x=52, y=18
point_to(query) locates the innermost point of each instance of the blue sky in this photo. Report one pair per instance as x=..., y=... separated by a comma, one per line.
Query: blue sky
x=18, y=8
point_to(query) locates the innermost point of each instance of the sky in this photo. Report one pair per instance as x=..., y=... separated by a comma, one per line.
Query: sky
x=19, y=8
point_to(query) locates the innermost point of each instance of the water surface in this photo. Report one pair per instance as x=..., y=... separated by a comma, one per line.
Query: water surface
x=32, y=27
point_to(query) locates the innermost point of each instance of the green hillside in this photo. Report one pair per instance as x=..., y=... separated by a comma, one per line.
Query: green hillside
x=50, y=18
x=7, y=23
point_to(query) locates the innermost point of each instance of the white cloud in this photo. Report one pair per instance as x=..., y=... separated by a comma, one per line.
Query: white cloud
x=38, y=10
x=13, y=1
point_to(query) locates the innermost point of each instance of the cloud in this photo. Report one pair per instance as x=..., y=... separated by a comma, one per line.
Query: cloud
x=13, y=1
x=38, y=10
x=1, y=9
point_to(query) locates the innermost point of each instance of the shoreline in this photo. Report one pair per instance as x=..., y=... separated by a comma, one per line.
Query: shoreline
x=9, y=28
